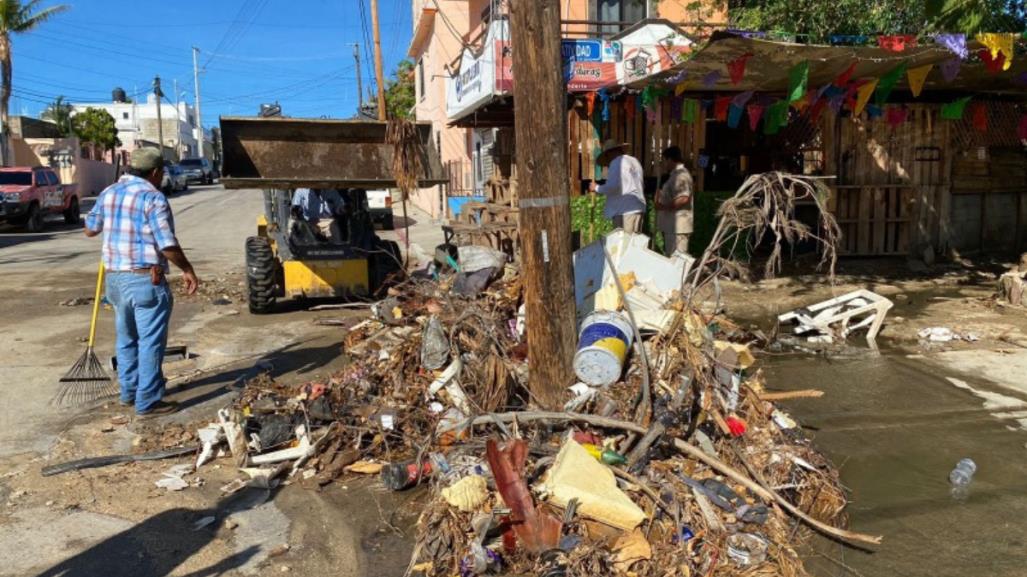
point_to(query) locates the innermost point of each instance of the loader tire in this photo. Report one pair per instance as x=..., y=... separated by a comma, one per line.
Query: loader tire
x=385, y=264
x=260, y=275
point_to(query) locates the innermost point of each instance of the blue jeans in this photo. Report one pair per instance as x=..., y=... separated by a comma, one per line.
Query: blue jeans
x=142, y=312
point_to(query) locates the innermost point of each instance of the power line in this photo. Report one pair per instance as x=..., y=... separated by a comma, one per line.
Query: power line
x=237, y=30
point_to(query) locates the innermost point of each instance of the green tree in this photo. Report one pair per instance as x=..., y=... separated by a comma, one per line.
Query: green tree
x=97, y=126
x=400, y=96
x=977, y=15
x=16, y=18
x=818, y=19
x=59, y=112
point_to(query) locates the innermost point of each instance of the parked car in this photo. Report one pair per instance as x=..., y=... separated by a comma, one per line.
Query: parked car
x=28, y=194
x=197, y=170
x=379, y=204
x=174, y=180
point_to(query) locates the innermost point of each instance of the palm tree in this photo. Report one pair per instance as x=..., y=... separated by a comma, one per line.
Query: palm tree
x=59, y=112
x=15, y=18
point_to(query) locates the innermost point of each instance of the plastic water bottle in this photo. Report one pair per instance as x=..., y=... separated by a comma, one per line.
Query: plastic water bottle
x=963, y=473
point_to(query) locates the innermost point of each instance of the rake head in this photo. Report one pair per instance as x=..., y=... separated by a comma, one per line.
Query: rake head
x=86, y=382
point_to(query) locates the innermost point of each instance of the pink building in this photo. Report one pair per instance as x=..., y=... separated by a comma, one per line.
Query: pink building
x=464, y=80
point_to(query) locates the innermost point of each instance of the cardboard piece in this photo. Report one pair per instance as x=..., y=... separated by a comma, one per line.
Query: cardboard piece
x=577, y=475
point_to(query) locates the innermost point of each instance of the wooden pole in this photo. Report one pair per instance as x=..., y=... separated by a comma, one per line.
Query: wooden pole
x=540, y=120
x=379, y=75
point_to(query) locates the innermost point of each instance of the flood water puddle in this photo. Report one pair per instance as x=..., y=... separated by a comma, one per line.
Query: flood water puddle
x=895, y=427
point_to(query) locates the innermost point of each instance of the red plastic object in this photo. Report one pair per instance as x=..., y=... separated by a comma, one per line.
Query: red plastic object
x=535, y=531
x=736, y=426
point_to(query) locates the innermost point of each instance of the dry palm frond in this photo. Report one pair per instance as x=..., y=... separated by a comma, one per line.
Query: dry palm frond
x=406, y=159
x=764, y=208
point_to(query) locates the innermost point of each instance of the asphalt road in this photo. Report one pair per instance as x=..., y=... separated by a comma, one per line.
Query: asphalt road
x=40, y=339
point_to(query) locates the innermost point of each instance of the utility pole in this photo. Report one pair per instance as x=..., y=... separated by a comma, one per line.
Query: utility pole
x=360, y=81
x=199, y=115
x=540, y=116
x=178, y=125
x=378, y=60
x=160, y=123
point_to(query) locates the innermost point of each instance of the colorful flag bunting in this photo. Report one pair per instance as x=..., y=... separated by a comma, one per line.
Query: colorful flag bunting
x=835, y=102
x=797, y=79
x=680, y=89
x=736, y=68
x=896, y=115
x=818, y=110
x=954, y=110
x=756, y=111
x=848, y=39
x=888, y=82
x=874, y=111
x=604, y=96
x=711, y=79
x=590, y=103
x=950, y=69
x=720, y=108
x=999, y=44
x=842, y=79
x=956, y=43
x=689, y=110
x=1021, y=79
x=734, y=116
x=777, y=116
x=897, y=42
x=993, y=64
x=980, y=117
x=863, y=96
x=648, y=99
x=916, y=77
x=742, y=98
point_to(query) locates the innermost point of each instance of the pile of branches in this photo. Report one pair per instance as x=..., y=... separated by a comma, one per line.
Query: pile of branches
x=727, y=482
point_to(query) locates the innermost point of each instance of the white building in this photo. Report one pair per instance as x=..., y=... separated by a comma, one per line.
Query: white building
x=137, y=124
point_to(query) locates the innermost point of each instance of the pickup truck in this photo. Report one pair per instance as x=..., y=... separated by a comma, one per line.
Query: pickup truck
x=29, y=194
x=379, y=204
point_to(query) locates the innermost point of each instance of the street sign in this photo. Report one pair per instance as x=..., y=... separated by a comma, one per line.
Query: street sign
x=582, y=50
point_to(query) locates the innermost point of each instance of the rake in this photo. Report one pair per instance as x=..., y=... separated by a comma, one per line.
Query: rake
x=87, y=381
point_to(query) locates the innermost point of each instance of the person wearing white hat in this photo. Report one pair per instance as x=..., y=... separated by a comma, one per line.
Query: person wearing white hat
x=625, y=200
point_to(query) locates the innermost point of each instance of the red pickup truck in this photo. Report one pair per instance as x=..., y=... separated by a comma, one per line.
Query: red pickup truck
x=28, y=194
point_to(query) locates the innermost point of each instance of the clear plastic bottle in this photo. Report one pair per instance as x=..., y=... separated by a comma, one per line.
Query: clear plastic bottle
x=963, y=473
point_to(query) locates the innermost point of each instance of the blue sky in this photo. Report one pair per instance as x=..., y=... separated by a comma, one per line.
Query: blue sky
x=298, y=52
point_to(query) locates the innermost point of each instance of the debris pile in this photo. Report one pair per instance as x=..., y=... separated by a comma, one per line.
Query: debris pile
x=1013, y=284
x=681, y=464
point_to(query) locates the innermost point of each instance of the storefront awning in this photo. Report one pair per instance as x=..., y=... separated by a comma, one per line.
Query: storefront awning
x=768, y=67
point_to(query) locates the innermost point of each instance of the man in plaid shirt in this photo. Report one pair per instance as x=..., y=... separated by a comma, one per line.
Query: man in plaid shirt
x=138, y=241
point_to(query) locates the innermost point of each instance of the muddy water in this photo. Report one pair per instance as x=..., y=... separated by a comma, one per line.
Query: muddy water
x=895, y=427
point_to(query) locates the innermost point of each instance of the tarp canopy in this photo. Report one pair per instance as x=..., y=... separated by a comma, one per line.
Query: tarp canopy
x=768, y=67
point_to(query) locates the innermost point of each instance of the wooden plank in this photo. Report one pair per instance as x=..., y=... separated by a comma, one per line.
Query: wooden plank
x=574, y=114
x=865, y=231
x=880, y=221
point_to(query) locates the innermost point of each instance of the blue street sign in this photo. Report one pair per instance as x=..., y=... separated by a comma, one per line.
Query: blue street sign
x=582, y=50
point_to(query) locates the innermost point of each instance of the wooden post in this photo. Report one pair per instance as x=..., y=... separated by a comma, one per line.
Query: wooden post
x=540, y=105
x=379, y=74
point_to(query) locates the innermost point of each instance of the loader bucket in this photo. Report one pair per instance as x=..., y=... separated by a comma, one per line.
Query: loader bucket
x=288, y=153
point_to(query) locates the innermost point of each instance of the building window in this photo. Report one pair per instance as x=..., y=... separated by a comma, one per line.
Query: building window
x=420, y=79
x=124, y=116
x=623, y=12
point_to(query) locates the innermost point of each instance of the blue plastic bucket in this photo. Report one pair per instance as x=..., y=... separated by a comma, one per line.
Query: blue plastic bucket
x=603, y=345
